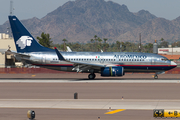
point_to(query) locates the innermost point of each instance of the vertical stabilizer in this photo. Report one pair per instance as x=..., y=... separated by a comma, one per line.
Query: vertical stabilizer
x=24, y=41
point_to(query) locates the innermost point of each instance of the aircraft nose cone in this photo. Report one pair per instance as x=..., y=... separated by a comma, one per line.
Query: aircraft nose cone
x=173, y=63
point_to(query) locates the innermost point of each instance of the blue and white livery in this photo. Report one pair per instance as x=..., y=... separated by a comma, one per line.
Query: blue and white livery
x=105, y=63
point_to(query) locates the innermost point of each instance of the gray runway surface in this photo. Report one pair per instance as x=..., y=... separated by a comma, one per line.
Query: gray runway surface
x=84, y=76
x=40, y=80
x=89, y=90
x=131, y=104
x=75, y=114
x=101, y=95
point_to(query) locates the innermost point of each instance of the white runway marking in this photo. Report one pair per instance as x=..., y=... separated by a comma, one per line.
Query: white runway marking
x=84, y=81
x=90, y=104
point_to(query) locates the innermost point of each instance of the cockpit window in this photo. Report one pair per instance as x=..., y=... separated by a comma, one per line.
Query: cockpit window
x=164, y=59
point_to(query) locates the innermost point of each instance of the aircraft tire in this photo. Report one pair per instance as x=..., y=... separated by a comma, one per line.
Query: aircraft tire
x=91, y=76
x=155, y=77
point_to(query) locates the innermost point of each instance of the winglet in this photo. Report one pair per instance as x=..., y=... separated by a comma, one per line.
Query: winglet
x=59, y=54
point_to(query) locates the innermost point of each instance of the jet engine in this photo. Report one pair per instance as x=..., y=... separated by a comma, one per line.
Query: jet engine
x=112, y=71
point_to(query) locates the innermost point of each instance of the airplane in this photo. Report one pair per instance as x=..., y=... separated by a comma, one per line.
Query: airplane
x=108, y=64
x=68, y=49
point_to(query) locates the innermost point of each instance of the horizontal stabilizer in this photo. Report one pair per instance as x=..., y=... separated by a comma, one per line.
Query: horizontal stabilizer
x=19, y=54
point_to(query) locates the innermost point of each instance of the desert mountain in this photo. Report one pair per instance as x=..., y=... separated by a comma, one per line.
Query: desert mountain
x=155, y=29
x=80, y=20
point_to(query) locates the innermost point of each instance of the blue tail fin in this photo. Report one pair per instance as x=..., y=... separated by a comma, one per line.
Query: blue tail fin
x=24, y=41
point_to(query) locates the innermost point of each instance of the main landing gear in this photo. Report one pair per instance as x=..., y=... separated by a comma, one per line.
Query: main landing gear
x=155, y=76
x=91, y=76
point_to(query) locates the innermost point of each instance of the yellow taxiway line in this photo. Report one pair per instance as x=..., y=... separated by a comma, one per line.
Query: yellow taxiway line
x=115, y=111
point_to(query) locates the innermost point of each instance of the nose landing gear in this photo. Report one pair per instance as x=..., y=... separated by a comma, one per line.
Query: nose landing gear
x=156, y=74
x=91, y=76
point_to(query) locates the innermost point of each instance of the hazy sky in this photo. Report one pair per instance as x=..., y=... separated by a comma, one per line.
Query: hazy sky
x=25, y=9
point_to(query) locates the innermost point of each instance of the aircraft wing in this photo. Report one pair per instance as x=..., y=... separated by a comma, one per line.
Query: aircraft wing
x=90, y=64
x=80, y=66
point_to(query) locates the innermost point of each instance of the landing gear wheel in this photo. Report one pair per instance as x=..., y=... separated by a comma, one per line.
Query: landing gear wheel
x=155, y=77
x=91, y=76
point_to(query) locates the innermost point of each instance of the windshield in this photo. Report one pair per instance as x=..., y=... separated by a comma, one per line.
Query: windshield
x=164, y=59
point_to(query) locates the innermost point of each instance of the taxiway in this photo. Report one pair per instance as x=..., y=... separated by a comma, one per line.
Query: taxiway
x=53, y=98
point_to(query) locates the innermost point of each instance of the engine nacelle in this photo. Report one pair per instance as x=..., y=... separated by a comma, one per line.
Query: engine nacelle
x=112, y=71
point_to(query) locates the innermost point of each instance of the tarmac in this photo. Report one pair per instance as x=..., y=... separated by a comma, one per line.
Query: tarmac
x=53, y=98
x=75, y=114
x=84, y=76
x=130, y=104
x=90, y=90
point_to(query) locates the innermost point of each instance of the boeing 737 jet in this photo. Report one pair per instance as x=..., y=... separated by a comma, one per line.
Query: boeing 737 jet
x=105, y=63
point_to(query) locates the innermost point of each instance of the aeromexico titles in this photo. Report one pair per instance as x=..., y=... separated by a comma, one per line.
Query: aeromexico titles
x=105, y=63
